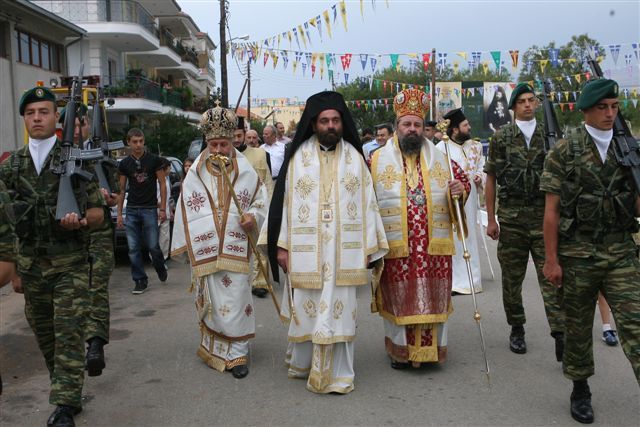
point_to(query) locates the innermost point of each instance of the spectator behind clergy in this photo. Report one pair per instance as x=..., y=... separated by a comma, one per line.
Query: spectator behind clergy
x=430, y=131
x=252, y=139
x=281, y=136
x=383, y=133
x=164, y=229
x=367, y=136
x=274, y=148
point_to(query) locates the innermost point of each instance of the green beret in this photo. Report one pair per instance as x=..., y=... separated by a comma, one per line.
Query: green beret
x=595, y=90
x=522, y=88
x=82, y=110
x=36, y=94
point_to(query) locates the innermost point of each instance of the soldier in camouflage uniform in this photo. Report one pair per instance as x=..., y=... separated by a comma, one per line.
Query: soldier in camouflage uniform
x=52, y=256
x=516, y=159
x=591, y=204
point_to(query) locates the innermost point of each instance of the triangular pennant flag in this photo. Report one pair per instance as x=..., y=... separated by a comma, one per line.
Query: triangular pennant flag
x=334, y=8
x=575, y=95
x=331, y=75
x=314, y=57
x=290, y=38
x=327, y=22
x=553, y=56
x=456, y=65
x=476, y=57
x=346, y=78
x=543, y=64
x=578, y=77
x=306, y=31
x=266, y=58
x=319, y=26
x=328, y=57
x=346, y=61
x=362, y=9
x=442, y=60
x=394, y=60
x=495, y=54
x=308, y=56
x=514, y=58
x=384, y=85
x=374, y=62
x=635, y=49
x=481, y=90
x=321, y=58
x=571, y=106
x=370, y=83
x=274, y=58
x=462, y=54
x=302, y=36
x=472, y=91
x=363, y=60
x=285, y=59
x=295, y=33
x=615, y=52
x=304, y=69
x=313, y=70
x=485, y=66
x=426, y=59
x=343, y=12
x=635, y=103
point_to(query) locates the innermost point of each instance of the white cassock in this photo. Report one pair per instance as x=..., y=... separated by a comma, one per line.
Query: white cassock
x=469, y=157
x=207, y=228
x=330, y=225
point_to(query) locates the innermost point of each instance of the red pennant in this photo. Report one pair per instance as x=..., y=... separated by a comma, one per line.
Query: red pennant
x=313, y=70
x=571, y=105
x=426, y=59
x=266, y=58
x=358, y=104
x=386, y=102
x=384, y=85
x=346, y=61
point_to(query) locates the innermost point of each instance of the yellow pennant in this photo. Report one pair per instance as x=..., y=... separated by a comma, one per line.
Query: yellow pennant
x=543, y=64
x=302, y=35
x=485, y=66
x=578, y=77
x=362, y=9
x=463, y=55
x=314, y=56
x=456, y=65
x=343, y=12
x=295, y=66
x=327, y=21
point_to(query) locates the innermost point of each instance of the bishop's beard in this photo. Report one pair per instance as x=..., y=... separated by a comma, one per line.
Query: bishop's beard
x=411, y=143
x=329, y=138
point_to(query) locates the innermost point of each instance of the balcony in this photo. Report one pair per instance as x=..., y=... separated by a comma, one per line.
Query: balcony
x=137, y=94
x=123, y=25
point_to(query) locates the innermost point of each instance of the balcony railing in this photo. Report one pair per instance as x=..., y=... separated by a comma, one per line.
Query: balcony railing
x=80, y=11
x=134, y=86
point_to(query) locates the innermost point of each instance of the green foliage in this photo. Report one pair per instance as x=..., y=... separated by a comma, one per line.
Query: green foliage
x=258, y=126
x=171, y=133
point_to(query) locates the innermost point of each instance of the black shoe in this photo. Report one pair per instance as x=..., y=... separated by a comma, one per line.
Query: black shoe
x=581, y=409
x=399, y=365
x=141, y=286
x=95, y=356
x=610, y=338
x=63, y=416
x=240, y=371
x=163, y=274
x=516, y=340
x=559, y=337
x=259, y=292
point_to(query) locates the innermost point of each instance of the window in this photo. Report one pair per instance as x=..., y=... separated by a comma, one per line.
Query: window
x=37, y=52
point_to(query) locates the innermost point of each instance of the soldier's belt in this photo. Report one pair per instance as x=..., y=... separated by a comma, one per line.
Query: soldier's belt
x=44, y=248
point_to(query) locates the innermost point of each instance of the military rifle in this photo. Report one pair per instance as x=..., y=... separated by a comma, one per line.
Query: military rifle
x=100, y=138
x=625, y=146
x=70, y=164
x=552, y=131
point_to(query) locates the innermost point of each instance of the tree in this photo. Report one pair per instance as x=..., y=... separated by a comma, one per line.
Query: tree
x=170, y=134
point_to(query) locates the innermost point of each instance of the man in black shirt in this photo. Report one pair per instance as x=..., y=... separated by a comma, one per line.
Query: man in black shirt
x=142, y=170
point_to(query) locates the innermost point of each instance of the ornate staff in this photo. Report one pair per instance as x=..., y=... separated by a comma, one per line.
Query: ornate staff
x=222, y=162
x=442, y=127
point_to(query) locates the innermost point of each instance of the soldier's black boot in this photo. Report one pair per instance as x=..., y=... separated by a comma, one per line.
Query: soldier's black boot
x=95, y=356
x=581, y=409
x=63, y=416
x=559, y=337
x=516, y=340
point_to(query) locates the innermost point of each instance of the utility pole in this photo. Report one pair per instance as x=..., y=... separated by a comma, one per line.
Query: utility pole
x=249, y=92
x=223, y=54
x=433, y=84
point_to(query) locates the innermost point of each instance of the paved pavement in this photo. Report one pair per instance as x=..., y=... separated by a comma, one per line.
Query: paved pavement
x=154, y=378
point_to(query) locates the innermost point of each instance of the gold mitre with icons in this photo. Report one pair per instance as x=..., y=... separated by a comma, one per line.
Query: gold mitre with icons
x=218, y=122
x=411, y=102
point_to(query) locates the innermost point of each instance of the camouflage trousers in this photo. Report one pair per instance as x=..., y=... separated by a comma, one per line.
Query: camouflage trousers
x=101, y=253
x=618, y=278
x=516, y=241
x=55, y=306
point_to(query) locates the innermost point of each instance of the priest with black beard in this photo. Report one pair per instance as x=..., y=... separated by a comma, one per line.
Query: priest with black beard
x=467, y=153
x=411, y=178
x=324, y=231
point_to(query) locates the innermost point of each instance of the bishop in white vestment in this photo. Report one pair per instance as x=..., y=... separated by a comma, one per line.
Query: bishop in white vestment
x=324, y=230
x=214, y=232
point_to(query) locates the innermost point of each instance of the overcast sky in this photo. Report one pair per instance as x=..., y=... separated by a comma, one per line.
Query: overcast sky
x=407, y=26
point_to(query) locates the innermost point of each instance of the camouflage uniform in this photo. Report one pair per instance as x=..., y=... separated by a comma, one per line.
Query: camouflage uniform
x=52, y=263
x=102, y=265
x=595, y=247
x=520, y=212
x=7, y=250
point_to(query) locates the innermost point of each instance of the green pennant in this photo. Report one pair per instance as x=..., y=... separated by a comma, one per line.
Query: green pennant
x=495, y=54
x=394, y=60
